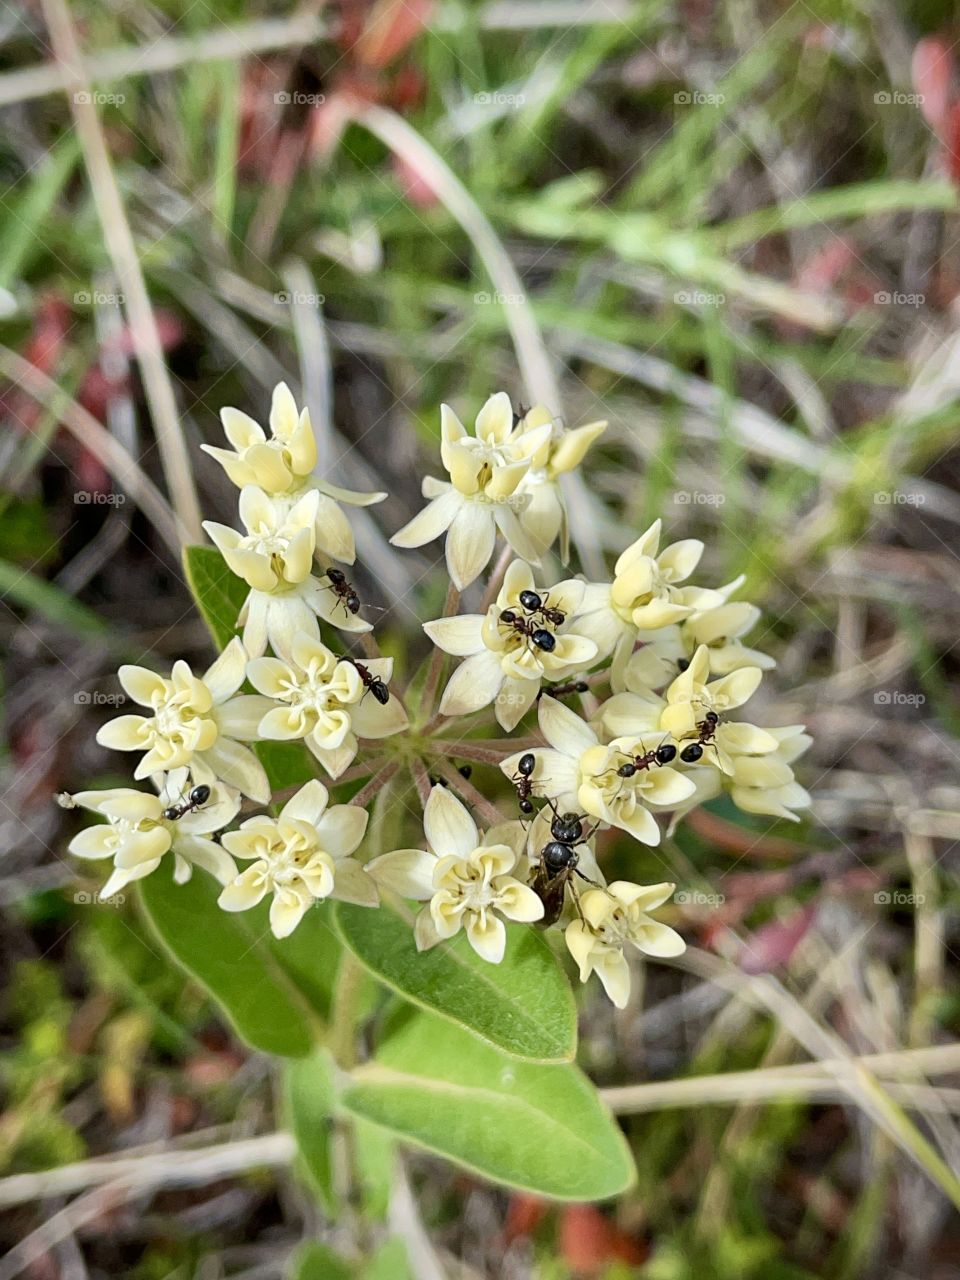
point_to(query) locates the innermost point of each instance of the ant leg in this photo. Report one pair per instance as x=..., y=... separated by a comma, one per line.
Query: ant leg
x=575, y=894
x=596, y=883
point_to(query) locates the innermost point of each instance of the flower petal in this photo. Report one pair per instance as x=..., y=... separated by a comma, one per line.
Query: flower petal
x=474, y=684
x=470, y=542
x=448, y=826
x=434, y=520
x=459, y=636
x=408, y=872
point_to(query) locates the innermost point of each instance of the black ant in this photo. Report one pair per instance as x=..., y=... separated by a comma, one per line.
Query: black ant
x=659, y=755
x=542, y=638
x=344, y=590
x=519, y=414
x=558, y=862
x=523, y=782
x=561, y=690
x=198, y=796
x=534, y=603
x=373, y=684
x=706, y=730
x=464, y=771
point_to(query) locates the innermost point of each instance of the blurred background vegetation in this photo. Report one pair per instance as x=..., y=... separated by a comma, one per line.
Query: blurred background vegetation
x=728, y=227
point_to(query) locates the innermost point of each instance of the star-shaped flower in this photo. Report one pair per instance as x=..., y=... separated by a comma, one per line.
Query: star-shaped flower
x=300, y=857
x=195, y=722
x=465, y=881
x=507, y=660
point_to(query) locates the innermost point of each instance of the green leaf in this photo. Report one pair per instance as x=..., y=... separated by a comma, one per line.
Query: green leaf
x=218, y=591
x=288, y=764
x=273, y=992
x=530, y=1125
x=319, y=1262
x=523, y=1005
x=309, y=1093
x=390, y=1262
x=375, y=1157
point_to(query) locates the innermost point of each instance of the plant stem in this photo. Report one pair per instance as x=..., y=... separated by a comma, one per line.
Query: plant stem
x=343, y=1015
x=496, y=578
x=421, y=779
x=469, y=792
x=367, y=792
x=437, y=658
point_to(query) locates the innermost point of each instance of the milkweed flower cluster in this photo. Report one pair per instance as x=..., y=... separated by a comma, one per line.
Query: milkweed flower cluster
x=661, y=667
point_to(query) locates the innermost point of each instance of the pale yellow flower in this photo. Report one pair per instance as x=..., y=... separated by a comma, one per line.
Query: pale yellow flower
x=195, y=722
x=765, y=783
x=466, y=882
x=692, y=694
x=481, y=495
x=645, y=594
x=545, y=515
x=283, y=464
x=578, y=771
x=506, y=665
x=320, y=698
x=613, y=917
x=136, y=835
x=300, y=857
x=275, y=558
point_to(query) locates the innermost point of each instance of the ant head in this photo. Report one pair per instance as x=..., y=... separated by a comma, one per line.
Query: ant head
x=353, y=602
x=711, y=717
x=508, y=616
x=567, y=828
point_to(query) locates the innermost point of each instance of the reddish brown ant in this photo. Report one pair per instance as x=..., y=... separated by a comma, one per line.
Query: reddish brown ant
x=539, y=636
x=561, y=690
x=344, y=590
x=706, y=730
x=535, y=603
x=198, y=796
x=373, y=684
x=523, y=781
x=647, y=759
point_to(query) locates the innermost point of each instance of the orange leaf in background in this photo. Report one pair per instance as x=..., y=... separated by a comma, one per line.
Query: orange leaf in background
x=589, y=1241
x=773, y=944
x=951, y=142
x=391, y=28
x=932, y=74
x=524, y=1215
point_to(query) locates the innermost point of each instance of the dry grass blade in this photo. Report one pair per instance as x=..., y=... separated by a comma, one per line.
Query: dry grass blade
x=120, y=245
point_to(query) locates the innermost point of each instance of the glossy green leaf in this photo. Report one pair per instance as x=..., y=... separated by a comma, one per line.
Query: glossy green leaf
x=523, y=1005
x=218, y=591
x=275, y=993
x=531, y=1125
x=309, y=1093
